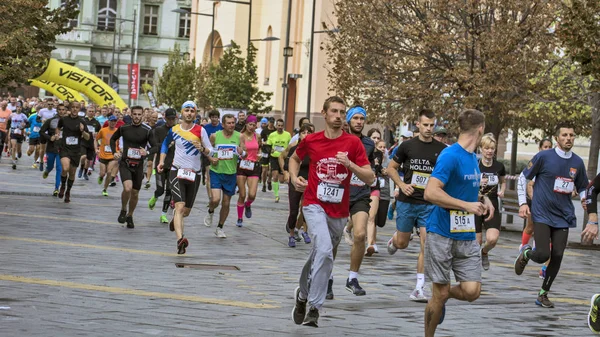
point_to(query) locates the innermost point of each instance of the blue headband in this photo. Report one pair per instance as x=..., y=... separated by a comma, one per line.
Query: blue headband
x=189, y=104
x=355, y=110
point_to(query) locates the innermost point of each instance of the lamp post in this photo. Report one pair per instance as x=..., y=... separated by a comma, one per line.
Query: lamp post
x=249, y=4
x=287, y=53
x=212, y=29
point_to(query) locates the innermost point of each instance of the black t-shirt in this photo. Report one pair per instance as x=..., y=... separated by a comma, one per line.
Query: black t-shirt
x=93, y=127
x=239, y=126
x=303, y=172
x=358, y=189
x=158, y=134
x=72, y=137
x=48, y=130
x=264, y=135
x=417, y=159
x=134, y=137
x=493, y=174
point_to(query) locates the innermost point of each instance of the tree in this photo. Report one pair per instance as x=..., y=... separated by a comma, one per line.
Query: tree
x=176, y=84
x=201, y=80
x=28, y=36
x=443, y=54
x=233, y=82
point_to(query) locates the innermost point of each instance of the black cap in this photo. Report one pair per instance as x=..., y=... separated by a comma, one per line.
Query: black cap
x=170, y=113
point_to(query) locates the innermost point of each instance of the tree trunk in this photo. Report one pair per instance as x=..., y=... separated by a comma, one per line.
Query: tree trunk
x=592, y=168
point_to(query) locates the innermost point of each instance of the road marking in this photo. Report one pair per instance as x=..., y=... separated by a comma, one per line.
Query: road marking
x=46, y=217
x=135, y=292
x=83, y=245
x=50, y=198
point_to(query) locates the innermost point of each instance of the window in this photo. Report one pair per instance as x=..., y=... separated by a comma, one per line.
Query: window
x=185, y=23
x=107, y=14
x=73, y=22
x=146, y=76
x=103, y=73
x=150, y=20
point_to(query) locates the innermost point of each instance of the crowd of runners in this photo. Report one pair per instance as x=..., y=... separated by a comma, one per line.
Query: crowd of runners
x=341, y=184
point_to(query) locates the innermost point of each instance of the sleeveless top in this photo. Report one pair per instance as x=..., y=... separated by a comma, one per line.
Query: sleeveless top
x=226, y=153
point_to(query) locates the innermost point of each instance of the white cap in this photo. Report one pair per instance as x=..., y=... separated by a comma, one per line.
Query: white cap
x=407, y=134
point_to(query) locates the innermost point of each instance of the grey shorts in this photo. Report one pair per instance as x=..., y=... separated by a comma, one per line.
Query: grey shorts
x=443, y=255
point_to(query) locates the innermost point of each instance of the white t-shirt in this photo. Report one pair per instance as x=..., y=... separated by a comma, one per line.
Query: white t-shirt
x=46, y=113
x=11, y=107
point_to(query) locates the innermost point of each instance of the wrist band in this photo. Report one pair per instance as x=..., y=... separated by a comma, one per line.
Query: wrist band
x=592, y=222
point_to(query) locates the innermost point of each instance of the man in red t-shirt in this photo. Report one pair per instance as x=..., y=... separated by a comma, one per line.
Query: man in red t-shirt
x=334, y=157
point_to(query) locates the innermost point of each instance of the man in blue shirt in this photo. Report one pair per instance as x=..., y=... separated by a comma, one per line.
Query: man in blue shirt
x=558, y=173
x=215, y=125
x=35, y=124
x=451, y=243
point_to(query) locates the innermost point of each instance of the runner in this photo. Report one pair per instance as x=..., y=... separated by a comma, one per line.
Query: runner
x=279, y=140
x=89, y=147
x=135, y=138
x=45, y=112
x=17, y=123
x=266, y=154
x=163, y=184
x=211, y=128
x=263, y=125
x=375, y=136
x=152, y=119
x=48, y=133
x=72, y=130
x=241, y=121
x=223, y=171
x=248, y=170
x=384, y=185
x=334, y=155
x=451, y=244
x=4, y=134
x=589, y=234
x=108, y=165
x=35, y=124
x=184, y=174
x=416, y=158
x=302, y=121
x=557, y=174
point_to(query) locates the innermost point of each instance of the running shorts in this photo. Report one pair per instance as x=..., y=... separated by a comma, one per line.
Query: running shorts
x=255, y=172
x=183, y=190
x=133, y=172
x=495, y=222
x=443, y=255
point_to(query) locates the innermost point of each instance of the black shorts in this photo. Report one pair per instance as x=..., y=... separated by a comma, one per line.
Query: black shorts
x=74, y=156
x=275, y=165
x=496, y=221
x=255, y=172
x=18, y=138
x=360, y=205
x=264, y=161
x=2, y=137
x=89, y=154
x=105, y=161
x=382, y=211
x=133, y=171
x=34, y=141
x=183, y=190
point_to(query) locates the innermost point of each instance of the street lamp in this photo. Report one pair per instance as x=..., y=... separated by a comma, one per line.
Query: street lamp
x=249, y=4
x=188, y=12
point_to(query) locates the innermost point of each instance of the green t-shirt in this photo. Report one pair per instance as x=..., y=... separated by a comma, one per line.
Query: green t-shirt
x=227, y=153
x=279, y=142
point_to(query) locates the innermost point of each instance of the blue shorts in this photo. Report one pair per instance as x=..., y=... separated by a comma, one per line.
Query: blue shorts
x=411, y=215
x=225, y=182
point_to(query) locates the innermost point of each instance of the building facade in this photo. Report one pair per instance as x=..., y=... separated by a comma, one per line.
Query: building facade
x=103, y=42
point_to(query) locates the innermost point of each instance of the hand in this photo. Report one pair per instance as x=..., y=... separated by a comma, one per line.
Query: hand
x=117, y=155
x=590, y=233
x=483, y=182
x=300, y=184
x=476, y=208
x=160, y=167
x=81, y=127
x=524, y=211
x=198, y=146
x=407, y=189
x=143, y=152
x=501, y=194
x=342, y=157
x=213, y=160
x=490, y=209
x=384, y=171
x=584, y=204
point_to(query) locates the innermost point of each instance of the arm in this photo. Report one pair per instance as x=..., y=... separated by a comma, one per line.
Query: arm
x=207, y=144
x=590, y=232
x=282, y=157
x=522, y=189
x=502, y=182
x=293, y=168
x=434, y=193
x=44, y=130
x=392, y=171
x=113, y=142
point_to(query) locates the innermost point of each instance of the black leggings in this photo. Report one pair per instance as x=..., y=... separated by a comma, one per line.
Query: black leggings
x=294, y=198
x=544, y=235
x=163, y=185
x=381, y=216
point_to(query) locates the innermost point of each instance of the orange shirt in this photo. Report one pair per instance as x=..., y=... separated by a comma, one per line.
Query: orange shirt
x=103, y=139
x=4, y=116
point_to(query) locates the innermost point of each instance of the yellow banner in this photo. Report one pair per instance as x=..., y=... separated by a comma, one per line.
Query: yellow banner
x=81, y=81
x=63, y=93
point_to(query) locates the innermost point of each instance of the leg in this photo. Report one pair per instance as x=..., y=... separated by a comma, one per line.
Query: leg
x=559, y=244
x=275, y=182
x=241, y=184
x=208, y=188
x=542, y=242
x=433, y=310
x=466, y=291
x=224, y=213
x=359, y=219
x=491, y=238
x=371, y=228
x=133, y=200
x=178, y=216
x=126, y=194
x=294, y=205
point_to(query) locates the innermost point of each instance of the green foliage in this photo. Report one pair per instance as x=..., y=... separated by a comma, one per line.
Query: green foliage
x=28, y=34
x=580, y=32
x=521, y=165
x=176, y=84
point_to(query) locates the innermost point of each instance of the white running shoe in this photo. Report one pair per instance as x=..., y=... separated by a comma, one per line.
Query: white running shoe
x=348, y=237
x=418, y=295
x=391, y=248
x=376, y=249
x=208, y=219
x=219, y=233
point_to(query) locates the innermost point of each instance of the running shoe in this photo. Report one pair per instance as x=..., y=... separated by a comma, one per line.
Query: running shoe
x=104, y=193
x=543, y=272
x=390, y=213
x=299, y=310
x=45, y=174
x=19, y=155
x=312, y=317
x=329, y=295
x=348, y=237
x=248, y=211
x=122, y=216
x=593, y=321
x=355, y=288
x=240, y=223
x=89, y=171
x=208, y=219
x=55, y=193
x=370, y=250
x=220, y=233
x=543, y=301
x=129, y=220
x=147, y=185
x=67, y=197
x=113, y=184
x=297, y=236
x=291, y=242
x=276, y=200
x=100, y=180
x=79, y=173
x=14, y=166
x=34, y=166
x=485, y=261
x=418, y=295
x=41, y=166
x=376, y=249
x=152, y=202
x=61, y=193
x=306, y=237
x=269, y=186
x=264, y=189
x=85, y=176
x=521, y=260
x=390, y=246
x=172, y=224
x=163, y=219
x=182, y=245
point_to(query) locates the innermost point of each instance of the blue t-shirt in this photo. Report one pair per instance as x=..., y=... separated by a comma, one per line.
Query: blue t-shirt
x=458, y=170
x=101, y=119
x=210, y=129
x=555, y=179
x=34, y=126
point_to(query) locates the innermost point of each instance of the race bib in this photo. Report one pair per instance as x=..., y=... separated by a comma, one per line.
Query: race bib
x=247, y=165
x=60, y=134
x=462, y=222
x=91, y=128
x=134, y=153
x=332, y=193
x=186, y=174
x=17, y=131
x=420, y=179
x=265, y=155
x=2, y=120
x=36, y=129
x=563, y=185
x=381, y=182
x=354, y=181
x=279, y=148
x=493, y=179
x=72, y=140
x=107, y=149
x=224, y=153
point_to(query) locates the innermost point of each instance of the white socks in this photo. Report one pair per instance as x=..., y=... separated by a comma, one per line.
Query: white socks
x=352, y=275
x=420, y=281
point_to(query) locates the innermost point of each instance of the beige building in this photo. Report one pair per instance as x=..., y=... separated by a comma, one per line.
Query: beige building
x=269, y=19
